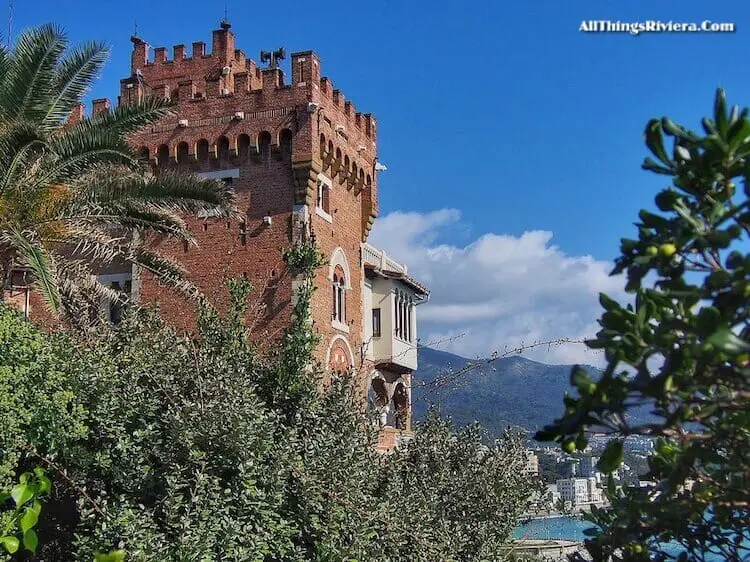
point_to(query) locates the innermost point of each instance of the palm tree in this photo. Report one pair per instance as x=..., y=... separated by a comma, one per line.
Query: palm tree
x=74, y=197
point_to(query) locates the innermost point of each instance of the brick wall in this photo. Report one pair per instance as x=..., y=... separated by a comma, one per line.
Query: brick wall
x=210, y=90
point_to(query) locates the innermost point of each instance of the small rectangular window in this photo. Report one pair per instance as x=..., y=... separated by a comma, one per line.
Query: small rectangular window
x=323, y=201
x=376, y=322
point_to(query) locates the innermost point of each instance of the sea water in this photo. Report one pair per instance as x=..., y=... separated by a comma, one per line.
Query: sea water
x=571, y=529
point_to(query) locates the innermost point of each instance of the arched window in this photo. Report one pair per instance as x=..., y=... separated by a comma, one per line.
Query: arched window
x=183, y=152
x=243, y=147
x=403, y=316
x=144, y=154
x=222, y=148
x=202, y=151
x=330, y=147
x=340, y=282
x=339, y=296
x=322, y=145
x=264, y=146
x=402, y=319
x=323, y=203
x=401, y=406
x=397, y=313
x=409, y=306
x=162, y=156
x=285, y=144
x=379, y=400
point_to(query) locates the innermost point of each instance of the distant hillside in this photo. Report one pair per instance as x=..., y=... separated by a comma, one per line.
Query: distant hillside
x=511, y=391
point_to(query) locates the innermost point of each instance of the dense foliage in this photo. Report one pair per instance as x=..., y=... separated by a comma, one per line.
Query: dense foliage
x=683, y=349
x=75, y=194
x=176, y=448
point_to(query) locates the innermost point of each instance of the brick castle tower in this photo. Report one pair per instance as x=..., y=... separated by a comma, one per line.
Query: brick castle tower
x=301, y=161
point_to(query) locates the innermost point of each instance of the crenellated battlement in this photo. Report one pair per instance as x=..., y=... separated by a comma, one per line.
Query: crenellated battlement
x=226, y=104
x=199, y=75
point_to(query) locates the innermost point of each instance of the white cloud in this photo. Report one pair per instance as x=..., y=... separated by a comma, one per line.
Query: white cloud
x=499, y=291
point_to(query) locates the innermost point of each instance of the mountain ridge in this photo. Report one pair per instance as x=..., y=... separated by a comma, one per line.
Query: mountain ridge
x=508, y=391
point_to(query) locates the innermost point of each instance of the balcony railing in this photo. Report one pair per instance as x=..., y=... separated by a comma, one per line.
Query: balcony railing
x=379, y=259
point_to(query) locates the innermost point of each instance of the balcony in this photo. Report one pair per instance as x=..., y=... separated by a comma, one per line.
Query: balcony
x=391, y=299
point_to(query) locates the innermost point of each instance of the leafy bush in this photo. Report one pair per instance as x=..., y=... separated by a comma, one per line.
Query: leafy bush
x=205, y=449
x=17, y=524
x=687, y=343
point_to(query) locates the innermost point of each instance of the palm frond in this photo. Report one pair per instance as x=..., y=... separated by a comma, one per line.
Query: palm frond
x=92, y=245
x=173, y=191
x=76, y=156
x=26, y=86
x=126, y=118
x=73, y=78
x=165, y=270
x=82, y=294
x=79, y=274
x=99, y=246
x=127, y=216
x=19, y=143
x=35, y=256
x=3, y=60
x=73, y=198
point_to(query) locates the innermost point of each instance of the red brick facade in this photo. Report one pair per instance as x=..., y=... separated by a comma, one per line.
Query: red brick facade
x=301, y=160
x=232, y=115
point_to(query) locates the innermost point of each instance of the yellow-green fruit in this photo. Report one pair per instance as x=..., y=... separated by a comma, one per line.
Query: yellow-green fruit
x=667, y=250
x=569, y=446
x=652, y=251
x=742, y=360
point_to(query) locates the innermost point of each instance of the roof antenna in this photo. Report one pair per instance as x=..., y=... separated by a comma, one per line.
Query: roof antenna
x=135, y=28
x=225, y=25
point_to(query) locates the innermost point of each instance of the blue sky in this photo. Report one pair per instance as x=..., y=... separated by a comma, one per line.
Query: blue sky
x=495, y=119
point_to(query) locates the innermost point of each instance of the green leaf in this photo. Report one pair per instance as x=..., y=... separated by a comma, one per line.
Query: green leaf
x=670, y=126
x=655, y=141
x=651, y=165
x=30, y=540
x=607, y=302
x=720, y=111
x=579, y=377
x=21, y=494
x=45, y=485
x=114, y=556
x=611, y=458
x=11, y=544
x=728, y=341
x=29, y=519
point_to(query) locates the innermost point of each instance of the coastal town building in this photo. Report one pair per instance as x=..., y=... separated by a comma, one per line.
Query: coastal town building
x=532, y=464
x=579, y=492
x=302, y=162
x=587, y=467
